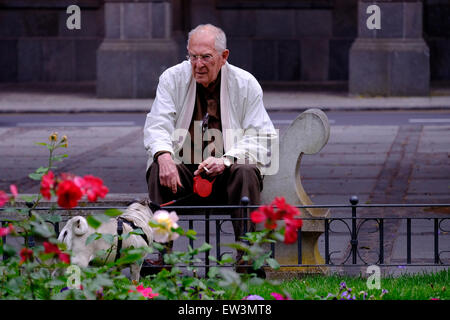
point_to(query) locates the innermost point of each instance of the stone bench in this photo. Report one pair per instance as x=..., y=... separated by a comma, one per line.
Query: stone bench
x=306, y=135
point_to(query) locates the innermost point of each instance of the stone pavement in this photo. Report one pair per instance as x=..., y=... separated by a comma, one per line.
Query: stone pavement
x=379, y=164
x=16, y=98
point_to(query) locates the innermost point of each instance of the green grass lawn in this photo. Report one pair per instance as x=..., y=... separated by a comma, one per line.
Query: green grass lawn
x=405, y=287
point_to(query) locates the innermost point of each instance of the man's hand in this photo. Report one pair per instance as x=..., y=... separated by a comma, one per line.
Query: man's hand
x=212, y=166
x=168, y=173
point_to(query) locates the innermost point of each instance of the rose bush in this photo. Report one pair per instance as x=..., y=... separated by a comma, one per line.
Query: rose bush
x=37, y=271
x=43, y=271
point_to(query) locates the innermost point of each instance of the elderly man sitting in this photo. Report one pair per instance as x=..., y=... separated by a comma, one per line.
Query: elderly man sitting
x=208, y=118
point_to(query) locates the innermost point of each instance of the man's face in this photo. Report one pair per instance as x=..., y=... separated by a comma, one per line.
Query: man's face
x=207, y=62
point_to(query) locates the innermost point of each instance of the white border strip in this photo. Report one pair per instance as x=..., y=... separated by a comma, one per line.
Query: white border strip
x=444, y=120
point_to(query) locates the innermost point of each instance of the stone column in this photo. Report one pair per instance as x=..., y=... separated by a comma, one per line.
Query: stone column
x=393, y=60
x=136, y=49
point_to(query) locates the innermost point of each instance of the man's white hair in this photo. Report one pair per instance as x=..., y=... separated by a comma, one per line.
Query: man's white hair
x=221, y=39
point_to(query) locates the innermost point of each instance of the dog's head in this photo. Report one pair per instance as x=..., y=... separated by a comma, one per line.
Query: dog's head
x=77, y=226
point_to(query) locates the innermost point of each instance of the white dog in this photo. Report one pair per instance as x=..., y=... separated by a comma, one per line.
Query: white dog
x=76, y=231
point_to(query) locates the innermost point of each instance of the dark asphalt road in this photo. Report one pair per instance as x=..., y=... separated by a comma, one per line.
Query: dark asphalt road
x=279, y=118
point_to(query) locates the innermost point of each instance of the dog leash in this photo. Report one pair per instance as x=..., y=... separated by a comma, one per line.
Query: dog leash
x=202, y=187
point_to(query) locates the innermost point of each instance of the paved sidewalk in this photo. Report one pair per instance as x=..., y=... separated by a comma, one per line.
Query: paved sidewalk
x=15, y=98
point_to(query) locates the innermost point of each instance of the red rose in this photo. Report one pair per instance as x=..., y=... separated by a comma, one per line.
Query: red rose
x=5, y=231
x=267, y=215
x=290, y=232
x=3, y=198
x=53, y=248
x=257, y=216
x=278, y=210
x=93, y=187
x=14, y=191
x=25, y=255
x=47, y=183
x=64, y=257
x=68, y=194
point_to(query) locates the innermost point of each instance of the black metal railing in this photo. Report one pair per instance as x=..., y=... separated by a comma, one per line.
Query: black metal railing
x=353, y=224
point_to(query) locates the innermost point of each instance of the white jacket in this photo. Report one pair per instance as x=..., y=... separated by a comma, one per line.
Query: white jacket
x=248, y=132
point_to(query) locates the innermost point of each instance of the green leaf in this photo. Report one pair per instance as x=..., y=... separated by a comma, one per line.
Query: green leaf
x=9, y=250
x=178, y=230
x=255, y=281
x=191, y=234
x=213, y=272
x=273, y=263
x=130, y=258
x=137, y=231
x=41, y=170
x=59, y=158
x=227, y=258
x=158, y=246
x=204, y=247
x=229, y=277
x=93, y=222
x=53, y=218
x=92, y=237
x=238, y=246
x=258, y=263
x=35, y=176
x=40, y=143
x=109, y=238
x=42, y=229
x=102, y=281
x=279, y=236
x=154, y=224
x=113, y=212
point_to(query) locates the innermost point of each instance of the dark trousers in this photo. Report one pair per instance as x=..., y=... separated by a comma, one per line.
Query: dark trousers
x=229, y=187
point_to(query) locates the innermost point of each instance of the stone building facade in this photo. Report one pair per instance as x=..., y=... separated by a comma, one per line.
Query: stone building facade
x=123, y=45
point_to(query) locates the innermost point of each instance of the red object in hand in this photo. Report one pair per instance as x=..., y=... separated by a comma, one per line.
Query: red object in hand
x=202, y=187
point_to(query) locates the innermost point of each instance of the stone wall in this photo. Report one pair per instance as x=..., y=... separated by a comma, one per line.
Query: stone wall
x=36, y=46
x=285, y=40
x=278, y=41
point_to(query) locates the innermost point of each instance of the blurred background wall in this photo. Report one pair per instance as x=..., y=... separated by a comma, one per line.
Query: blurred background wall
x=292, y=43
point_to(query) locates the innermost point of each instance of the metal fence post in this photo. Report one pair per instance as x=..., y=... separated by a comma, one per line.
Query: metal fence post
x=327, y=242
x=218, y=253
x=381, y=227
x=408, y=240
x=354, y=241
x=436, y=241
x=244, y=202
x=299, y=246
x=207, y=213
x=5, y=256
x=29, y=240
x=191, y=227
x=191, y=241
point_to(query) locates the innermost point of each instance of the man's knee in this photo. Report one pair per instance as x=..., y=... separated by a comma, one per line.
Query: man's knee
x=248, y=173
x=245, y=172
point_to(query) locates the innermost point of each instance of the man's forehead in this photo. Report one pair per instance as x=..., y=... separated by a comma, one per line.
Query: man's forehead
x=202, y=41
